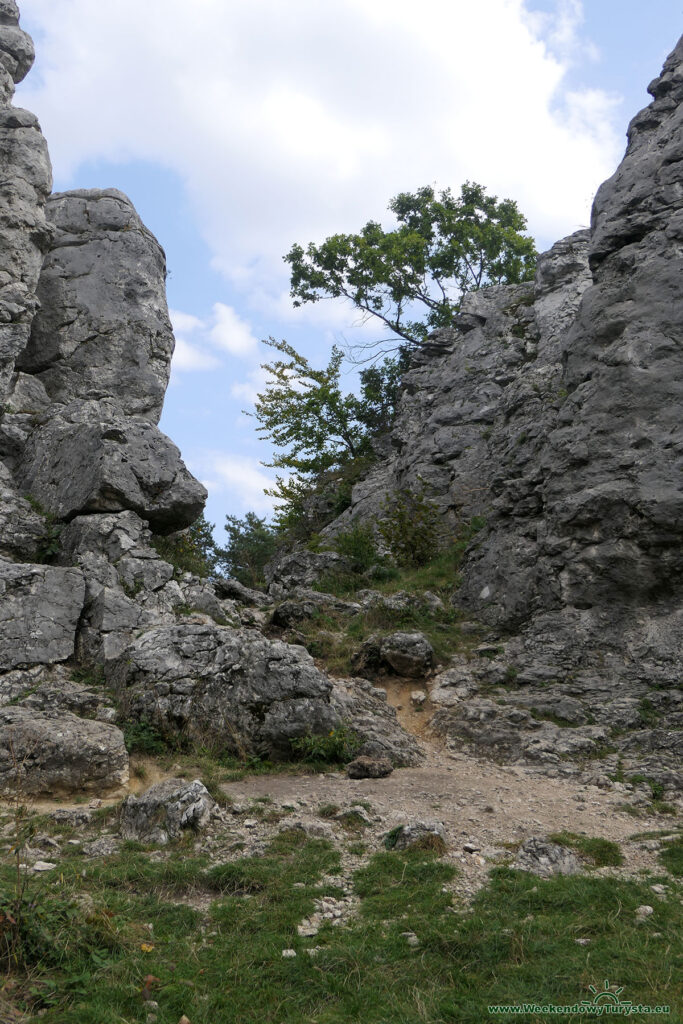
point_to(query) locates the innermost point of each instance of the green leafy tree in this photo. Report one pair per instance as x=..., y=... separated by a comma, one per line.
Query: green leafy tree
x=304, y=413
x=251, y=543
x=322, y=434
x=192, y=550
x=442, y=247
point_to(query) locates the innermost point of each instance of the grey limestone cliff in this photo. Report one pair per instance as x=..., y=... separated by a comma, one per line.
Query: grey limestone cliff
x=85, y=477
x=555, y=411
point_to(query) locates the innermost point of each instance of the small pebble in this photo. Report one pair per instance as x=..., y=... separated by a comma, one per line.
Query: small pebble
x=43, y=865
x=288, y=954
x=644, y=911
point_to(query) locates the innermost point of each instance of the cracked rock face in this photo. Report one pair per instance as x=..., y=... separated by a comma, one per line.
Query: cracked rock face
x=102, y=330
x=27, y=180
x=40, y=607
x=553, y=411
x=88, y=457
x=231, y=687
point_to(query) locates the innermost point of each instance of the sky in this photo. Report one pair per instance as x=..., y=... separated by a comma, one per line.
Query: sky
x=239, y=127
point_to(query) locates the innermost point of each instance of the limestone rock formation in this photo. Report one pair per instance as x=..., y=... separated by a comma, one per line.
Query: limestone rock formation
x=85, y=477
x=40, y=607
x=27, y=180
x=102, y=330
x=58, y=753
x=551, y=411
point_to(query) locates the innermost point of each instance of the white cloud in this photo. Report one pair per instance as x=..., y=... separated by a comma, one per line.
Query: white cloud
x=236, y=477
x=188, y=357
x=249, y=389
x=185, y=323
x=226, y=331
x=231, y=333
x=288, y=122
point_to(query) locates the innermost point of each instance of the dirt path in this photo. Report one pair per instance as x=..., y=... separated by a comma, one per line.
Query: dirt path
x=477, y=802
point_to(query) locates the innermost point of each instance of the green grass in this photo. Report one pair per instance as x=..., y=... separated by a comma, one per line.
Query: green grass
x=220, y=961
x=215, y=768
x=439, y=575
x=328, y=810
x=334, y=638
x=671, y=856
x=597, y=852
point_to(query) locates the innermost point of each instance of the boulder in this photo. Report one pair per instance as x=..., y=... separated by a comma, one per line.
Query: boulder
x=543, y=858
x=233, y=589
x=230, y=687
x=165, y=810
x=429, y=835
x=301, y=568
x=59, y=754
x=408, y=654
x=369, y=768
x=89, y=457
x=364, y=709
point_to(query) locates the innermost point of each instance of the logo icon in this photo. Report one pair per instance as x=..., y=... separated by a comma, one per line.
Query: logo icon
x=608, y=995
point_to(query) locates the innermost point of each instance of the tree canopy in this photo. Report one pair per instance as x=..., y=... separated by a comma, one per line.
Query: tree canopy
x=412, y=277
x=317, y=428
x=304, y=412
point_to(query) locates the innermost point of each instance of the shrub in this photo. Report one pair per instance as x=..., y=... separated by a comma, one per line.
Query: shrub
x=409, y=527
x=144, y=738
x=358, y=545
x=338, y=746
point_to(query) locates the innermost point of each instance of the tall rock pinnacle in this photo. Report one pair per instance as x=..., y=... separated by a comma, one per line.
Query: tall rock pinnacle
x=27, y=181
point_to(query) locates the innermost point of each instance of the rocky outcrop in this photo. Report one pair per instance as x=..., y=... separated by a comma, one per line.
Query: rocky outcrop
x=58, y=754
x=89, y=457
x=102, y=330
x=85, y=477
x=27, y=181
x=39, y=611
x=239, y=692
x=552, y=411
